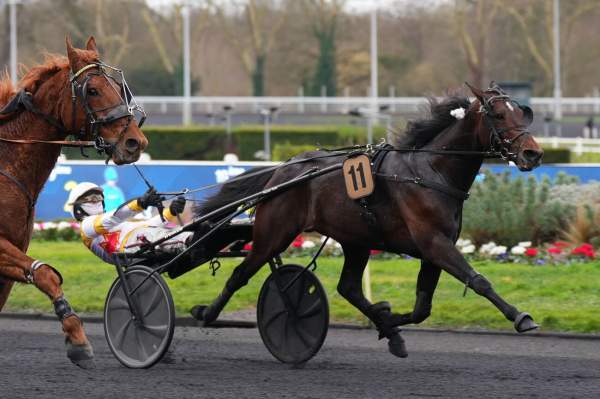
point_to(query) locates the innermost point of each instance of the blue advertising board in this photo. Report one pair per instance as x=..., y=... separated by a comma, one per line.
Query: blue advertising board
x=585, y=172
x=121, y=183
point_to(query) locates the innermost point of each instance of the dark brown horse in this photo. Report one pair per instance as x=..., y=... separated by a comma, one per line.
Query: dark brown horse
x=415, y=209
x=64, y=96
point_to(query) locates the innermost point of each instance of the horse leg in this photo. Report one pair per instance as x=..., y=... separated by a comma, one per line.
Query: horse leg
x=443, y=252
x=265, y=246
x=350, y=287
x=5, y=288
x=17, y=266
x=429, y=275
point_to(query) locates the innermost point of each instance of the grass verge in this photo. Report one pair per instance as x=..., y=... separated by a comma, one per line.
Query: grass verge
x=560, y=298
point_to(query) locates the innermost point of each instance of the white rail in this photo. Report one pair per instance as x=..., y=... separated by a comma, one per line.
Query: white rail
x=578, y=145
x=570, y=105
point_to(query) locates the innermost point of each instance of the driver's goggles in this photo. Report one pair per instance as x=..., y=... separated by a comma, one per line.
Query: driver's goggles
x=92, y=198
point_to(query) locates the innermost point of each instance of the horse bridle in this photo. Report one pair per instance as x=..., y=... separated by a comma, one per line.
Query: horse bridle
x=126, y=108
x=498, y=141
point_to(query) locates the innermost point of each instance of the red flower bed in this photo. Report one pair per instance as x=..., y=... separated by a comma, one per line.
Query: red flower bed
x=531, y=252
x=586, y=250
x=298, y=242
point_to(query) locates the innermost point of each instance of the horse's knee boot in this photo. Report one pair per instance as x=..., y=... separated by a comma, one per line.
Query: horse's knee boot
x=422, y=308
x=480, y=284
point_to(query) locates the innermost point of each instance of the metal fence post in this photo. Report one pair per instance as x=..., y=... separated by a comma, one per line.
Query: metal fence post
x=301, y=99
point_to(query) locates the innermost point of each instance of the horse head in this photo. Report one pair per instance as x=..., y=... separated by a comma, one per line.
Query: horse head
x=101, y=107
x=504, y=127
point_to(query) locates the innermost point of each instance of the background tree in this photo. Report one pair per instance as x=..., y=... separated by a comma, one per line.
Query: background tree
x=473, y=23
x=324, y=16
x=260, y=22
x=534, y=20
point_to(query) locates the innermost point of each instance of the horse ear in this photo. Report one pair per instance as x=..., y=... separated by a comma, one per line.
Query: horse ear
x=72, y=54
x=476, y=92
x=91, y=44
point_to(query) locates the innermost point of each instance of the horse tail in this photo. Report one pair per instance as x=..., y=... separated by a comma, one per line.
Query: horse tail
x=239, y=188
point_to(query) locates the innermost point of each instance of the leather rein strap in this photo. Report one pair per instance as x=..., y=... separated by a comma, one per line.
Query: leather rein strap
x=65, y=143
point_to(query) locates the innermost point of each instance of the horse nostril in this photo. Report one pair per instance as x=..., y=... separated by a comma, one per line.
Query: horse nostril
x=132, y=145
x=532, y=155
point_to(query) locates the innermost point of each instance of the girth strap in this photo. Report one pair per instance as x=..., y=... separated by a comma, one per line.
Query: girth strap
x=451, y=191
x=21, y=186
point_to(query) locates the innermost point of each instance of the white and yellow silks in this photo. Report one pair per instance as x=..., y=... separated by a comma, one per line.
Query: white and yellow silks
x=116, y=231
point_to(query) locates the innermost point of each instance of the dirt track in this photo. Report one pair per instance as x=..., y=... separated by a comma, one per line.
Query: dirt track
x=233, y=363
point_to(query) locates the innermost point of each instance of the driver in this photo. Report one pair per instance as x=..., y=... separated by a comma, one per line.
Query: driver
x=107, y=233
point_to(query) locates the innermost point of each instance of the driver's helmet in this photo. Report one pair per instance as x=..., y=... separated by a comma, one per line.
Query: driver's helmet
x=86, y=199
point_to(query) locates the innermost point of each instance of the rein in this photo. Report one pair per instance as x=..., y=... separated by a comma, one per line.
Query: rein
x=65, y=143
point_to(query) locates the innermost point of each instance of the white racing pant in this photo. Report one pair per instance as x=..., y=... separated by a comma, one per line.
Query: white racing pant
x=147, y=234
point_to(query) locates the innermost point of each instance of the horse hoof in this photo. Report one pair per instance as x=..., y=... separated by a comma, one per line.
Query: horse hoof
x=208, y=316
x=81, y=355
x=203, y=314
x=198, y=312
x=524, y=322
x=396, y=346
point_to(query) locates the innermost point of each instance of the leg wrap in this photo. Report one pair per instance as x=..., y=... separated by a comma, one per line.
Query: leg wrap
x=36, y=265
x=380, y=313
x=479, y=284
x=62, y=308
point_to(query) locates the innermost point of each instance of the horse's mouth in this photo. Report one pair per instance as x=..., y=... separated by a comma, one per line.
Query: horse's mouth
x=123, y=157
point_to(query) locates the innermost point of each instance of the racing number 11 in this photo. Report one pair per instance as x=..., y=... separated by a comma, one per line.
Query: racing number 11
x=352, y=173
x=358, y=176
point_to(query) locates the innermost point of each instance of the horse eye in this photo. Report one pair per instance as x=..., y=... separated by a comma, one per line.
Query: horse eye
x=92, y=92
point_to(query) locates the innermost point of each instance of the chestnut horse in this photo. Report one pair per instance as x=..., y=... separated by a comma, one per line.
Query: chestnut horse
x=415, y=209
x=64, y=96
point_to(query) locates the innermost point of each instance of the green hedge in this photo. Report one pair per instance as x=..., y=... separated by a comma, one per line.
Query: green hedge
x=250, y=139
x=208, y=142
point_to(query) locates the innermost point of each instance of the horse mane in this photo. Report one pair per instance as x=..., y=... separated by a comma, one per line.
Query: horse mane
x=34, y=77
x=421, y=131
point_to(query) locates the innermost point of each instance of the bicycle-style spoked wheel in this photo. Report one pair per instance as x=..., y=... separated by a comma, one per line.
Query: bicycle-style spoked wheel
x=139, y=343
x=293, y=330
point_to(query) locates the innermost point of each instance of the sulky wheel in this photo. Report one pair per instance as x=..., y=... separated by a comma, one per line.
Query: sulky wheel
x=139, y=343
x=295, y=332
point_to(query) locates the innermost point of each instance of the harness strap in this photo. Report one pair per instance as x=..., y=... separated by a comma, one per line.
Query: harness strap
x=24, y=100
x=66, y=143
x=451, y=191
x=443, y=151
x=21, y=186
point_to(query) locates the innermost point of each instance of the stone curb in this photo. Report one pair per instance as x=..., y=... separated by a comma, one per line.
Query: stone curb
x=191, y=322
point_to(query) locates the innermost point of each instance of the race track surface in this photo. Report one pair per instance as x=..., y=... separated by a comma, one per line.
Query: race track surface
x=233, y=363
